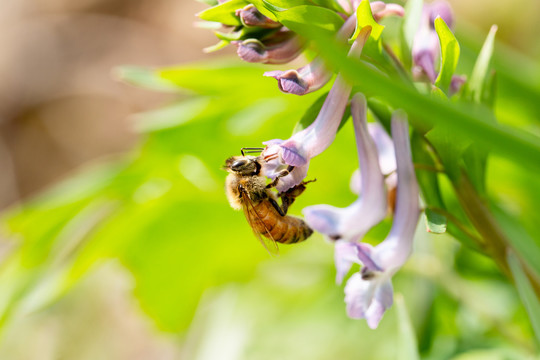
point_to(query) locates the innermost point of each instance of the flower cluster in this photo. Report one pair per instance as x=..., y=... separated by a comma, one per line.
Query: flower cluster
x=386, y=181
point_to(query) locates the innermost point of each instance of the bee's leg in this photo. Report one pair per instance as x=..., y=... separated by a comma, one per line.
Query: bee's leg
x=281, y=174
x=276, y=206
x=288, y=197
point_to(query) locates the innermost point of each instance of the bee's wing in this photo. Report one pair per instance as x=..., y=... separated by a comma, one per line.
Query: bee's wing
x=252, y=217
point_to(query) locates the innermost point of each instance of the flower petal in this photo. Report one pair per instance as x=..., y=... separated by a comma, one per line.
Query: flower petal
x=344, y=257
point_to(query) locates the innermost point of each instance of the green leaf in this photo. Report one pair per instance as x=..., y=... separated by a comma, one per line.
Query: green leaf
x=209, y=2
x=407, y=343
x=465, y=122
x=449, y=147
x=330, y=4
x=429, y=184
x=477, y=84
x=410, y=24
x=449, y=54
x=143, y=77
x=224, y=13
x=215, y=78
x=170, y=116
x=526, y=293
x=475, y=159
x=364, y=17
x=435, y=222
x=302, y=19
x=313, y=111
x=218, y=46
x=382, y=112
x=520, y=240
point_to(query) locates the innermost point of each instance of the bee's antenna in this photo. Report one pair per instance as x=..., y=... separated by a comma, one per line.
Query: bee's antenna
x=251, y=150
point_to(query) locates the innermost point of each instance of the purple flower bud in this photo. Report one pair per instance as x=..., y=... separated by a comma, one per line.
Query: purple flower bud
x=250, y=16
x=343, y=223
x=312, y=76
x=301, y=147
x=307, y=79
x=369, y=293
x=283, y=48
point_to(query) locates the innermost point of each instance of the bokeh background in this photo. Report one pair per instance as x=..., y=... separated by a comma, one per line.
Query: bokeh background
x=173, y=272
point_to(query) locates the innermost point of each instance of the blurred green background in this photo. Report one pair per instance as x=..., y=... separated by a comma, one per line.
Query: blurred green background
x=118, y=241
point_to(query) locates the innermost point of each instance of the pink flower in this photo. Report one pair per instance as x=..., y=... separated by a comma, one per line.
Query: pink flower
x=371, y=207
x=369, y=293
x=312, y=76
x=281, y=48
x=289, y=159
x=250, y=16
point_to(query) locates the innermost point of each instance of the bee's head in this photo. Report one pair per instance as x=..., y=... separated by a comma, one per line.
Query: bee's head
x=243, y=165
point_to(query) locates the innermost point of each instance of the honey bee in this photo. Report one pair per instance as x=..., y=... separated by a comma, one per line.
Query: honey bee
x=246, y=189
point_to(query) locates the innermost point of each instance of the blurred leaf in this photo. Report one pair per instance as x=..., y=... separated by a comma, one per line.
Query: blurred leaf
x=449, y=54
x=313, y=111
x=170, y=116
x=475, y=158
x=465, y=122
x=407, y=348
x=429, y=184
x=143, y=77
x=297, y=18
x=449, y=148
x=526, y=292
x=330, y=4
x=410, y=24
x=221, y=78
x=209, y=2
x=521, y=241
x=224, y=13
x=364, y=18
x=382, y=111
x=477, y=84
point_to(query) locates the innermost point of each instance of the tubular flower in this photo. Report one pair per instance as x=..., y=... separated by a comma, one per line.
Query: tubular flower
x=306, y=79
x=250, y=16
x=426, y=47
x=369, y=293
x=283, y=48
x=289, y=159
x=387, y=160
x=353, y=222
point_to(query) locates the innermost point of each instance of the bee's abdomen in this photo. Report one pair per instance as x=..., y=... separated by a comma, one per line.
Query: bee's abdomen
x=284, y=229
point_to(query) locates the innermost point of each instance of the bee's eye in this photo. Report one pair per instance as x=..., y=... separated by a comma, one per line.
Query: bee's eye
x=238, y=164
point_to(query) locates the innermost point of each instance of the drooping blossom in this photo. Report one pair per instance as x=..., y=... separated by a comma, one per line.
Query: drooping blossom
x=369, y=293
x=315, y=75
x=353, y=222
x=289, y=159
x=250, y=16
x=426, y=48
x=280, y=49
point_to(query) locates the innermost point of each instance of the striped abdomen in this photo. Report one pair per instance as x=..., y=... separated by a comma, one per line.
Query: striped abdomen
x=284, y=229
